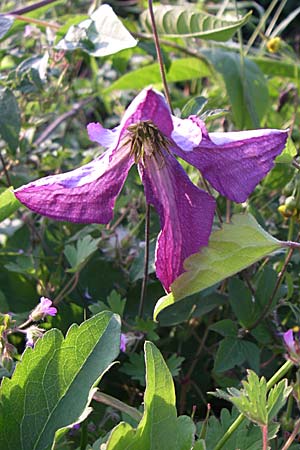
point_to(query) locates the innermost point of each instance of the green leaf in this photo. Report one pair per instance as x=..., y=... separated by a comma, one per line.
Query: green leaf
x=193, y=107
x=277, y=398
x=185, y=21
x=230, y=250
x=10, y=119
x=230, y=353
x=179, y=70
x=101, y=35
x=77, y=255
x=8, y=203
x=159, y=425
x=288, y=154
x=252, y=400
x=233, y=248
x=51, y=386
x=225, y=327
x=116, y=302
x=277, y=68
x=5, y=24
x=246, y=87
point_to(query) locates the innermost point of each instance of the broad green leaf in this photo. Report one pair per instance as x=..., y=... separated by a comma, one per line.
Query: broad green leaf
x=179, y=70
x=159, y=425
x=288, y=154
x=10, y=119
x=5, y=24
x=101, y=35
x=52, y=385
x=230, y=250
x=185, y=21
x=77, y=255
x=246, y=87
x=8, y=203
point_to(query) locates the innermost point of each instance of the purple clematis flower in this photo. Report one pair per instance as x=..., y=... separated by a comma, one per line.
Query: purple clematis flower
x=151, y=137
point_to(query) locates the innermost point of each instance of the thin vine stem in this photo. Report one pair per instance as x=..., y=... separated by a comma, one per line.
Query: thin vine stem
x=146, y=261
x=29, y=8
x=159, y=55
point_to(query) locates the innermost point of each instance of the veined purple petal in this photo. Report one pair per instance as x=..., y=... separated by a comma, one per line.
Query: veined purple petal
x=234, y=163
x=149, y=105
x=84, y=195
x=105, y=137
x=289, y=340
x=186, y=215
x=187, y=133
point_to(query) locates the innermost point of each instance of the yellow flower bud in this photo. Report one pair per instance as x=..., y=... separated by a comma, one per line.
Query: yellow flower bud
x=274, y=44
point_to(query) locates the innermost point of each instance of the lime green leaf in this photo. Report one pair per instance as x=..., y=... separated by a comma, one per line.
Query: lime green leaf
x=246, y=87
x=51, y=386
x=77, y=255
x=10, y=119
x=277, y=398
x=230, y=250
x=179, y=70
x=184, y=21
x=101, y=35
x=288, y=154
x=277, y=68
x=159, y=423
x=8, y=203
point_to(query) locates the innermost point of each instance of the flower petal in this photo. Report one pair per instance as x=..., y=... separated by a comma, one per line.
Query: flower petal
x=234, y=163
x=105, y=137
x=289, y=340
x=186, y=215
x=84, y=195
x=149, y=105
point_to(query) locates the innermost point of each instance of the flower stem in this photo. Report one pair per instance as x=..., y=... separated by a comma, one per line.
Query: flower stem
x=146, y=261
x=275, y=378
x=264, y=430
x=292, y=436
x=159, y=55
x=29, y=8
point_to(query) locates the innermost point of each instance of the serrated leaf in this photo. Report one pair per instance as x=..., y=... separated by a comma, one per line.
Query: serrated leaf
x=10, y=119
x=277, y=398
x=179, y=70
x=77, y=255
x=5, y=24
x=8, y=203
x=230, y=250
x=246, y=87
x=101, y=35
x=184, y=21
x=159, y=422
x=51, y=386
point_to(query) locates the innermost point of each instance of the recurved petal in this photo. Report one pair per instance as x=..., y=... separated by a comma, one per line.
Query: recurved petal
x=186, y=215
x=84, y=195
x=234, y=163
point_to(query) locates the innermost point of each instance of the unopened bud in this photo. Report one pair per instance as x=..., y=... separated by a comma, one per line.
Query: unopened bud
x=274, y=44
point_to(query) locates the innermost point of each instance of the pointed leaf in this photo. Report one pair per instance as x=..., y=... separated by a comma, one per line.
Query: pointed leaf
x=79, y=254
x=8, y=203
x=51, y=386
x=101, y=35
x=5, y=24
x=277, y=398
x=159, y=423
x=184, y=21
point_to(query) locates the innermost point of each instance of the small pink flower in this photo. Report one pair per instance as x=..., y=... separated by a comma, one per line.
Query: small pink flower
x=32, y=335
x=123, y=342
x=292, y=343
x=44, y=308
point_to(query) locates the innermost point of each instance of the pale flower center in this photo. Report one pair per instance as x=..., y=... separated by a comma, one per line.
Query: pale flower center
x=146, y=140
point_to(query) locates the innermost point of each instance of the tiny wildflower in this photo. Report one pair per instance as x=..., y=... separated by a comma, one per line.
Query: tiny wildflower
x=151, y=137
x=123, y=342
x=44, y=308
x=292, y=341
x=32, y=335
x=274, y=44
